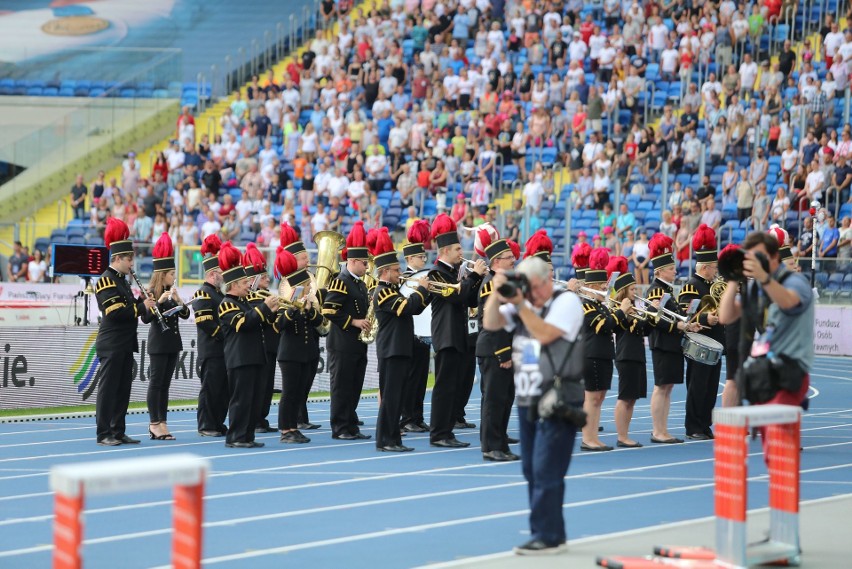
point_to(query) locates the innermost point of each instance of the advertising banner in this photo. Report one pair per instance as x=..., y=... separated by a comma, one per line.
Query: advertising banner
x=833, y=330
x=57, y=365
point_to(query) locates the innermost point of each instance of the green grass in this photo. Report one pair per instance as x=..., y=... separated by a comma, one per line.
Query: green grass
x=142, y=405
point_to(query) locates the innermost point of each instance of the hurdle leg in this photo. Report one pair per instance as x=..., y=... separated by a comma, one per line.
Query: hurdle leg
x=783, y=459
x=731, y=493
x=67, y=531
x=188, y=515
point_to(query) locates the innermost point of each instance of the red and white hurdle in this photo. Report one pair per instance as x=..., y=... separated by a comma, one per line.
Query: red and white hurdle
x=782, y=425
x=73, y=482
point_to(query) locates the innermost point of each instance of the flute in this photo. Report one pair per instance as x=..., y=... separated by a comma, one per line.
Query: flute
x=154, y=309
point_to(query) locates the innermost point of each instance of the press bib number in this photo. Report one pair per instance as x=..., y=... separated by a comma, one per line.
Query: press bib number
x=528, y=382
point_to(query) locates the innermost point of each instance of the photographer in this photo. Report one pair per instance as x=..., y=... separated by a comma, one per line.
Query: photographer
x=778, y=305
x=546, y=327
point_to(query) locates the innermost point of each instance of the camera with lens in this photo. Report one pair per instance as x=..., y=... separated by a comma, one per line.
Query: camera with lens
x=515, y=282
x=552, y=406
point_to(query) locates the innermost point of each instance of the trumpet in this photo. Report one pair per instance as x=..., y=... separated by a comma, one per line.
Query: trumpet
x=437, y=287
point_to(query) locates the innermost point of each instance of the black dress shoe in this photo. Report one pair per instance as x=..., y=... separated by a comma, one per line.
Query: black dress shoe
x=294, y=437
x=394, y=448
x=698, y=437
x=450, y=443
x=709, y=434
x=464, y=425
x=414, y=428
x=109, y=442
x=360, y=423
x=362, y=436
x=590, y=448
x=256, y=444
x=127, y=440
x=512, y=441
x=211, y=434
x=344, y=437
x=497, y=456
x=512, y=455
x=423, y=426
x=307, y=426
x=538, y=547
x=240, y=445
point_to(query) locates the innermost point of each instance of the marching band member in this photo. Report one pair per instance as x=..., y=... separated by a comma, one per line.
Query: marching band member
x=580, y=262
x=292, y=243
x=395, y=339
x=494, y=350
x=702, y=381
x=449, y=328
x=245, y=355
x=629, y=351
x=117, y=339
x=215, y=391
x=539, y=245
x=346, y=307
x=415, y=389
x=600, y=324
x=298, y=348
x=665, y=338
x=163, y=345
x=255, y=264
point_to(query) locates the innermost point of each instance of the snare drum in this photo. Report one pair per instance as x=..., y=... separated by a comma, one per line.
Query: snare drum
x=422, y=321
x=701, y=349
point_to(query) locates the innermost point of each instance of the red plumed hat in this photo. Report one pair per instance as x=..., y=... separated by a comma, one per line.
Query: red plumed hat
x=356, y=242
x=444, y=231
x=704, y=244
x=419, y=235
x=253, y=260
x=117, y=237
x=625, y=277
x=384, y=252
x=516, y=249
x=486, y=234
x=210, y=250
x=372, y=236
x=598, y=260
x=285, y=263
x=580, y=256
x=779, y=233
x=231, y=262
x=290, y=239
x=661, y=248
x=539, y=245
x=164, y=254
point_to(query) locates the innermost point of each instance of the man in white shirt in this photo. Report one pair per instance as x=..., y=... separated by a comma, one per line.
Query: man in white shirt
x=533, y=193
x=338, y=185
x=243, y=208
x=710, y=87
x=591, y=149
x=832, y=42
x=319, y=221
x=669, y=59
x=577, y=49
x=657, y=39
x=451, y=85
x=748, y=75
x=388, y=83
x=274, y=108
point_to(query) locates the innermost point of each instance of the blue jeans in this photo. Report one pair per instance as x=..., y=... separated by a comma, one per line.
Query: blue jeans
x=546, y=448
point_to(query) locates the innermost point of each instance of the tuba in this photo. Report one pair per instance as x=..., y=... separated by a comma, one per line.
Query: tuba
x=329, y=243
x=370, y=281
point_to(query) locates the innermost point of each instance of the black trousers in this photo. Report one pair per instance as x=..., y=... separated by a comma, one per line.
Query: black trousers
x=466, y=384
x=702, y=387
x=214, y=395
x=347, y=379
x=303, y=411
x=295, y=376
x=248, y=392
x=498, y=395
x=268, y=376
x=115, y=377
x=160, y=374
x=449, y=365
x=415, y=388
x=395, y=372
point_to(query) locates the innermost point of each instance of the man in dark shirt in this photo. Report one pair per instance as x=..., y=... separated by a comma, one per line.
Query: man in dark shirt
x=787, y=60
x=18, y=263
x=211, y=178
x=810, y=149
x=842, y=178
x=78, y=198
x=688, y=120
x=262, y=123
x=707, y=190
x=557, y=50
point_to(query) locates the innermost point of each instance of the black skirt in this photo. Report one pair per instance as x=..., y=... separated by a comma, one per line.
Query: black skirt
x=597, y=374
x=668, y=367
x=632, y=380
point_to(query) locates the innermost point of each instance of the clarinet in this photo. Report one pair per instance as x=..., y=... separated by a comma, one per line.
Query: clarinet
x=154, y=309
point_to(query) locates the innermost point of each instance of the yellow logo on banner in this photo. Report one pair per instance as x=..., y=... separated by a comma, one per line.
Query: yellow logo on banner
x=75, y=26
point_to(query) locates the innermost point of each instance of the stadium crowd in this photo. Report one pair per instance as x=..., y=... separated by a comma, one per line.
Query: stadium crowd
x=426, y=106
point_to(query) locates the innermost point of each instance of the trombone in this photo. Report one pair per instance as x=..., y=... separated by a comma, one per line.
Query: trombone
x=666, y=315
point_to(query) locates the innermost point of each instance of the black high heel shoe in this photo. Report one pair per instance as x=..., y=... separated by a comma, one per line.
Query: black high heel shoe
x=166, y=437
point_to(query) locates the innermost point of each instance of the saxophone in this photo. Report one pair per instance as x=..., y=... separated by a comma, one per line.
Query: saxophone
x=370, y=281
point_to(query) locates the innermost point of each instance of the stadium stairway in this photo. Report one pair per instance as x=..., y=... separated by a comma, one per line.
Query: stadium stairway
x=44, y=221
